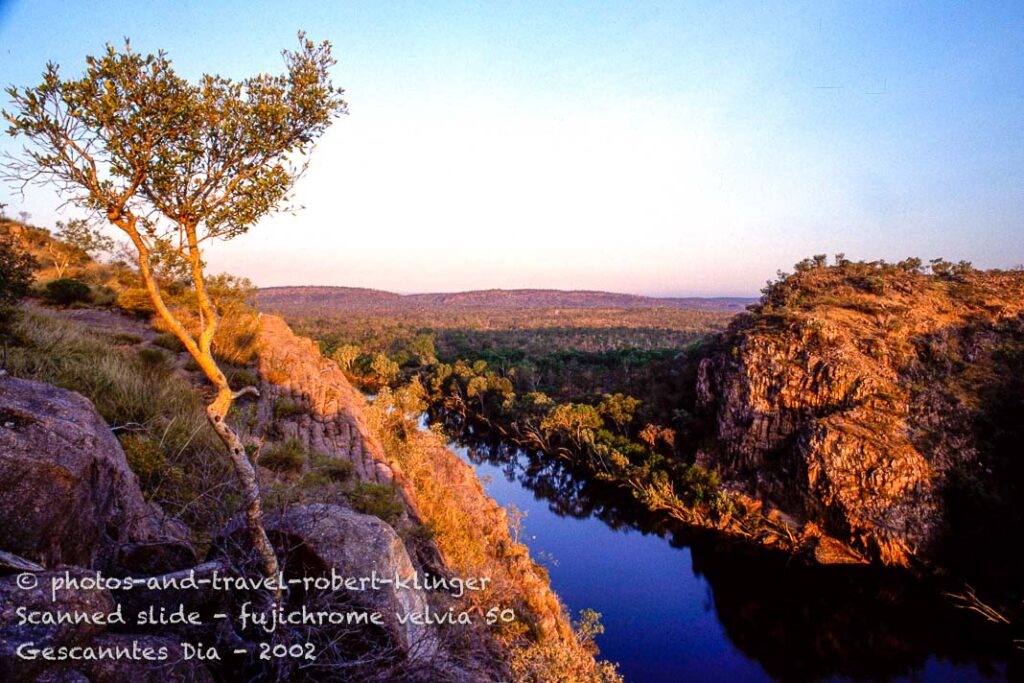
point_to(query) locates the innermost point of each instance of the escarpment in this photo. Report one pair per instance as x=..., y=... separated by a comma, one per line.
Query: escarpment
x=307, y=397
x=876, y=402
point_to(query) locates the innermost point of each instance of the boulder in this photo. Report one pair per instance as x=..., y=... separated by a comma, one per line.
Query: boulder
x=87, y=632
x=67, y=495
x=316, y=539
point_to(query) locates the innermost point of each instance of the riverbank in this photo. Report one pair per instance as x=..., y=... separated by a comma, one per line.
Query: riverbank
x=685, y=605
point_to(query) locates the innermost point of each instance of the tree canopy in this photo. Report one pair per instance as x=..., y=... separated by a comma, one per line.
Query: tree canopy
x=132, y=137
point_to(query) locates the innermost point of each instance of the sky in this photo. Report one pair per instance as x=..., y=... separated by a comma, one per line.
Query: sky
x=668, y=148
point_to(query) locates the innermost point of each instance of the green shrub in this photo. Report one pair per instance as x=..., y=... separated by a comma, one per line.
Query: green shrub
x=67, y=291
x=16, y=268
x=104, y=297
x=241, y=377
x=379, y=500
x=126, y=338
x=169, y=341
x=148, y=460
x=331, y=469
x=422, y=533
x=152, y=357
x=145, y=458
x=285, y=407
x=699, y=486
x=287, y=456
x=135, y=300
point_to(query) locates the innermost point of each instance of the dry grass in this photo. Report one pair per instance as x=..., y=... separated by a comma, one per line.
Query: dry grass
x=181, y=461
x=472, y=533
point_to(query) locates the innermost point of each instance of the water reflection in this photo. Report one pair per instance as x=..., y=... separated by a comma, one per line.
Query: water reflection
x=795, y=622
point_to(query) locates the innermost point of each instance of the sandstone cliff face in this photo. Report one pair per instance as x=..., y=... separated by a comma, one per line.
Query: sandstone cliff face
x=329, y=413
x=852, y=398
x=485, y=530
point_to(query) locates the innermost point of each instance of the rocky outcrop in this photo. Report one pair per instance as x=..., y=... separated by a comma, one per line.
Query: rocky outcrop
x=485, y=531
x=118, y=657
x=67, y=495
x=38, y=598
x=850, y=399
x=306, y=397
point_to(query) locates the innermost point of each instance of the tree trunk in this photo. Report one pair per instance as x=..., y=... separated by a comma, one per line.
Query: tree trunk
x=217, y=410
x=246, y=473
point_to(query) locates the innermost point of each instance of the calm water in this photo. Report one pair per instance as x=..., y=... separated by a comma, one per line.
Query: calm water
x=693, y=609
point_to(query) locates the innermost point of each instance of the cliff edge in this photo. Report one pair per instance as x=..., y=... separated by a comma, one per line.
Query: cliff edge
x=878, y=402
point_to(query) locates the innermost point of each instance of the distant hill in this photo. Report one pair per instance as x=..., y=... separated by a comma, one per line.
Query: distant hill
x=307, y=300
x=304, y=299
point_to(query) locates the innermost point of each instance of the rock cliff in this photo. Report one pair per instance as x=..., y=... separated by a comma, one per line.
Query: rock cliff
x=875, y=402
x=68, y=500
x=325, y=413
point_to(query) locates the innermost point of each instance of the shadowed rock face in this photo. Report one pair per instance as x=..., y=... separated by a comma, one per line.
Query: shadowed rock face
x=859, y=408
x=38, y=599
x=67, y=495
x=84, y=601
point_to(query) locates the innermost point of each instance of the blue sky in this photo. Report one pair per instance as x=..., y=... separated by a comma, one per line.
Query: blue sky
x=664, y=148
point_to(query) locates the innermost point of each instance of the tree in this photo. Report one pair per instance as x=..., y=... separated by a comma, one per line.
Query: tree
x=422, y=346
x=620, y=409
x=174, y=165
x=384, y=370
x=16, y=269
x=345, y=355
x=76, y=242
x=60, y=255
x=410, y=401
x=576, y=420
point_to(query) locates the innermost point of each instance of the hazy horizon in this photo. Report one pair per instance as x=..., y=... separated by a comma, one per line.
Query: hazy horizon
x=509, y=289
x=663, y=150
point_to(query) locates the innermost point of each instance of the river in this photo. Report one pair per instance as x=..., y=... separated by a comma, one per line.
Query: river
x=681, y=606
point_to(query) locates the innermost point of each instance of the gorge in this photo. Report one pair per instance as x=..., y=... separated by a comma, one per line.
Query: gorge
x=783, y=498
